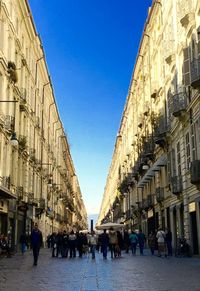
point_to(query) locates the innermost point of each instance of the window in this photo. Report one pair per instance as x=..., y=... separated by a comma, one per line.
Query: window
x=187, y=146
x=178, y=157
x=193, y=142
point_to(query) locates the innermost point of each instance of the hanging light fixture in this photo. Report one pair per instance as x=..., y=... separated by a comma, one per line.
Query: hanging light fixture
x=13, y=140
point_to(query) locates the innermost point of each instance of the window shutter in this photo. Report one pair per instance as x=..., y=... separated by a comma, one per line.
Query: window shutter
x=198, y=42
x=173, y=162
x=186, y=67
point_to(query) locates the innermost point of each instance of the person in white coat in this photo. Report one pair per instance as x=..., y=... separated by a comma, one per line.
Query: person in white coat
x=93, y=243
x=161, y=242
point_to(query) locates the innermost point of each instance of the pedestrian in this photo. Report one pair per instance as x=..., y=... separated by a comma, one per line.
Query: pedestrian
x=152, y=242
x=133, y=240
x=72, y=244
x=65, y=245
x=58, y=243
x=23, y=242
x=141, y=241
x=93, y=243
x=104, y=243
x=48, y=241
x=53, y=243
x=161, y=242
x=126, y=241
x=113, y=242
x=168, y=240
x=36, y=243
x=120, y=243
x=80, y=241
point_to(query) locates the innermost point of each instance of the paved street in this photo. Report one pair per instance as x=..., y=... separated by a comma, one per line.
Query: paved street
x=143, y=273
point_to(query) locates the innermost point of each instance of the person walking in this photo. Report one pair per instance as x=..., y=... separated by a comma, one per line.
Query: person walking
x=104, y=243
x=65, y=245
x=168, y=240
x=36, y=243
x=23, y=242
x=93, y=243
x=80, y=244
x=133, y=240
x=152, y=242
x=53, y=243
x=72, y=244
x=113, y=242
x=161, y=242
x=126, y=241
x=141, y=241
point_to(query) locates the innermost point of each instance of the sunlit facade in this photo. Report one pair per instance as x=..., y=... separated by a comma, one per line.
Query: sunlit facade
x=154, y=177
x=37, y=178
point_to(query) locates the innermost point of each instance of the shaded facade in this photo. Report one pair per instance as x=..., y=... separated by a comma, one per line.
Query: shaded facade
x=154, y=177
x=37, y=178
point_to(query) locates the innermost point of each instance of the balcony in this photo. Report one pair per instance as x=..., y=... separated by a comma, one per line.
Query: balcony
x=195, y=72
x=12, y=72
x=195, y=172
x=9, y=123
x=20, y=192
x=5, y=182
x=155, y=90
x=145, y=204
x=178, y=104
x=22, y=142
x=40, y=203
x=177, y=185
x=160, y=194
x=149, y=200
x=161, y=130
x=128, y=214
x=32, y=153
x=58, y=217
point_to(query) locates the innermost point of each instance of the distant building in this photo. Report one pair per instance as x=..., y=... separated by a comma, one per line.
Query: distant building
x=154, y=177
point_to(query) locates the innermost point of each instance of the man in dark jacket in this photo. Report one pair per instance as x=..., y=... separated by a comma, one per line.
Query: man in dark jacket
x=104, y=243
x=36, y=243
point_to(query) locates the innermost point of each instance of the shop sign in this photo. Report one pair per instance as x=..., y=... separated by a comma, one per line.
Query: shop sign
x=192, y=207
x=150, y=213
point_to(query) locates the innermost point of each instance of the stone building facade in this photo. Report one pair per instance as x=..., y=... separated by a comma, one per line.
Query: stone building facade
x=37, y=178
x=154, y=177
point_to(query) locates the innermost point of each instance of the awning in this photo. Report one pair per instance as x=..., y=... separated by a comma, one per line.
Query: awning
x=161, y=162
x=6, y=194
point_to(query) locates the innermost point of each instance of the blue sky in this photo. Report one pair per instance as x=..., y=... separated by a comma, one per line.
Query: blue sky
x=90, y=48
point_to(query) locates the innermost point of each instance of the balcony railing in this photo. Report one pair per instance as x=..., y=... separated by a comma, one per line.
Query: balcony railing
x=195, y=73
x=160, y=194
x=177, y=185
x=149, y=200
x=161, y=130
x=178, y=104
x=5, y=182
x=128, y=214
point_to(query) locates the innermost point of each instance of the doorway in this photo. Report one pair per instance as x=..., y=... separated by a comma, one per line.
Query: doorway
x=193, y=221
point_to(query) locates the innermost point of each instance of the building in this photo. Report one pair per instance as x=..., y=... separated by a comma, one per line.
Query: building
x=154, y=177
x=37, y=178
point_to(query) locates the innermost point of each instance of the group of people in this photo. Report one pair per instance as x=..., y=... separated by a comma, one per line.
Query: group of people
x=66, y=245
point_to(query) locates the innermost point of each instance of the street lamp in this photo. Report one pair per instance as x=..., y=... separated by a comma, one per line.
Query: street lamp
x=13, y=140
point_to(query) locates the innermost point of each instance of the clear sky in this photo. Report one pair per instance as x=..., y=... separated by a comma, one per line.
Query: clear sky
x=90, y=48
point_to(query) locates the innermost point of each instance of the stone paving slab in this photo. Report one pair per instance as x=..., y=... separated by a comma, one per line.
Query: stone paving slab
x=129, y=273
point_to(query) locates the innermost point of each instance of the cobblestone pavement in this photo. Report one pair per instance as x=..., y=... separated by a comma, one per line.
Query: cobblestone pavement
x=135, y=273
